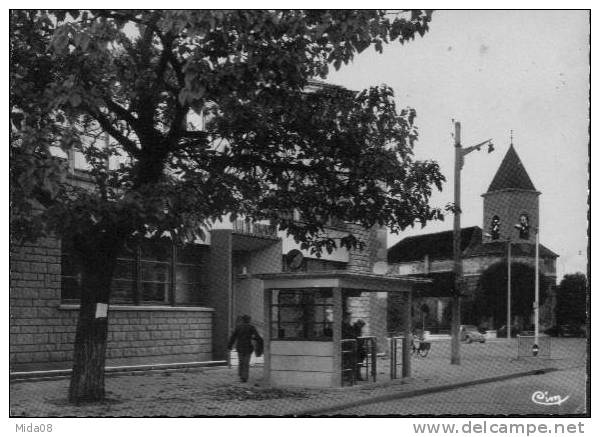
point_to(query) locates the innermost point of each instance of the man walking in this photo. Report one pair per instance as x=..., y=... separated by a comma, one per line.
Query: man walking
x=243, y=336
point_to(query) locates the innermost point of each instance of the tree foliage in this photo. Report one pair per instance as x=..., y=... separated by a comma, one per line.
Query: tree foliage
x=123, y=85
x=491, y=300
x=571, y=299
x=270, y=146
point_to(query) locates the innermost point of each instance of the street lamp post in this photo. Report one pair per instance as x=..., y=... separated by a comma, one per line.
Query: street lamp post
x=536, y=308
x=459, y=154
x=536, y=303
x=508, y=280
x=508, y=290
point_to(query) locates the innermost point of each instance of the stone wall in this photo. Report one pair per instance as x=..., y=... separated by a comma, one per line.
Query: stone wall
x=36, y=327
x=371, y=307
x=42, y=331
x=375, y=248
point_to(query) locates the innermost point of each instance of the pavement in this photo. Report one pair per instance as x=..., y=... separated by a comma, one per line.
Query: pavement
x=524, y=395
x=214, y=391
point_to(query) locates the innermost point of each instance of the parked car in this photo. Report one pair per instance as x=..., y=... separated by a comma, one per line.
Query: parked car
x=554, y=331
x=572, y=330
x=501, y=333
x=470, y=333
x=568, y=330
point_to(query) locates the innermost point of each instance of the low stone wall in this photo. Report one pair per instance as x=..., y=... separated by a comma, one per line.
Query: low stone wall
x=137, y=335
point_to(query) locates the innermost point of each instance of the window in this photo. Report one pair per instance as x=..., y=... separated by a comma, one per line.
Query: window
x=123, y=286
x=154, y=273
x=303, y=314
x=315, y=265
x=189, y=274
x=523, y=226
x=495, y=228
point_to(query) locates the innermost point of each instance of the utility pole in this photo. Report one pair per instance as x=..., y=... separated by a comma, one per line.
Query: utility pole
x=536, y=308
x=459, y=154
x=508, y=261
x=458, y=163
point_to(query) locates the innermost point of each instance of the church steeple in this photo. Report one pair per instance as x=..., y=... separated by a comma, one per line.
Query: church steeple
x=511, y=174
x=510, y=199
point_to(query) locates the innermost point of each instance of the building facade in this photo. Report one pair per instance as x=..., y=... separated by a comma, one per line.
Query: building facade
x=170, y=304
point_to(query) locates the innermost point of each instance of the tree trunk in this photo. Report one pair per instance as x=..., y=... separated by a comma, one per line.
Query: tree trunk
x=87, y=379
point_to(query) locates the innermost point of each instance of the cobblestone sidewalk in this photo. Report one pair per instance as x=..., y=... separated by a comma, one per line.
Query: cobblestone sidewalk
x=215, y=392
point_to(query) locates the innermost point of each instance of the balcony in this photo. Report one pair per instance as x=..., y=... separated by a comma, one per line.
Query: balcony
x=255, y=229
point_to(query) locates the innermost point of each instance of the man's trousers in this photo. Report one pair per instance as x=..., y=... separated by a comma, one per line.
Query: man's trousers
x=244, y=365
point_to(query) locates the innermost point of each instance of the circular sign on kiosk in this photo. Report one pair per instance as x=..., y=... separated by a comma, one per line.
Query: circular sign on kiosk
x=294, y=259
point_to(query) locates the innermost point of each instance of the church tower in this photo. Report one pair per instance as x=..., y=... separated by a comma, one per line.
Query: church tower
x=510, y=200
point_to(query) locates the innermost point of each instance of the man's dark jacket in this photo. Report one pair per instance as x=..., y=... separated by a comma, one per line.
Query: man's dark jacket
x=243, y=336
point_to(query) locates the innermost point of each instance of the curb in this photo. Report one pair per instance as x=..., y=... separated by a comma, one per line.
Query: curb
x=418, y=392
x=48, y=375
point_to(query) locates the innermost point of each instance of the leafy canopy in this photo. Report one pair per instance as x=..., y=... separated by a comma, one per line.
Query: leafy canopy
x=571, y=299
x=491, y=301
x=123, y=86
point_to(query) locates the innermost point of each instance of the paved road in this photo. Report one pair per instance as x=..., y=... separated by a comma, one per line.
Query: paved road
x=499, y=398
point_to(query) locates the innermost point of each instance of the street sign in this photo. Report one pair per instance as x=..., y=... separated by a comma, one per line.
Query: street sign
x=535, y=349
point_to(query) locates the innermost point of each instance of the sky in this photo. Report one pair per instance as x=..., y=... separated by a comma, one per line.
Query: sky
x=497, y=71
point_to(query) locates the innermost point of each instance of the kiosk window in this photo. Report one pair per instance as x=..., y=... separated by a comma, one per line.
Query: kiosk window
x=302, y=314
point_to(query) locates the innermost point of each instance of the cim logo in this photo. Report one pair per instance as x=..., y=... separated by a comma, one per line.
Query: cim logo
x=542, y=398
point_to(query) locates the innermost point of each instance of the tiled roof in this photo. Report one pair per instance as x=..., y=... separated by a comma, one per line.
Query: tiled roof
x=511, y=174
x=436, y=246
x=499, y=248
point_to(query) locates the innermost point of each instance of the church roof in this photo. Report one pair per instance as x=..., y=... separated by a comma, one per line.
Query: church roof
x=499, y=248
x=511, y=174
x=436, y=246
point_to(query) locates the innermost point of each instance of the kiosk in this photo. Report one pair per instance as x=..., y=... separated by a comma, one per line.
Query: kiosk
x=303, y=313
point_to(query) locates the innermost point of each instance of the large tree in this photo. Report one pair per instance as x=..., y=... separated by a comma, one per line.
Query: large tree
x=271, y=144
x=492, y=295
x=571, y=300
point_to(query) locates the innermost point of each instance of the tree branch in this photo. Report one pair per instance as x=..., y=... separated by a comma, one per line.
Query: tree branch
x=177, y=68
x=177, y=124
x=121, y=112
x=167, y=42
x=129, y=145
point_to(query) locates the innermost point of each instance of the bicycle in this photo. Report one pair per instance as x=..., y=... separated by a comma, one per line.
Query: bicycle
x=422, y=349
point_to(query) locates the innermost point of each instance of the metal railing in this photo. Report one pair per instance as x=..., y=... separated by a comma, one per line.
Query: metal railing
x=248, y=227
x=525, y=346
x=349, y=361
x=367, y=357
x=394, y=356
